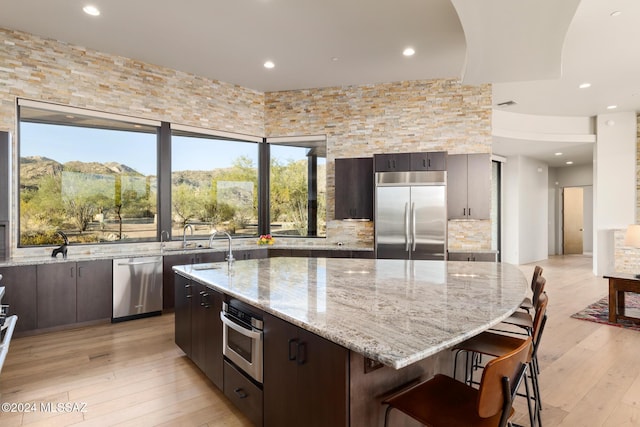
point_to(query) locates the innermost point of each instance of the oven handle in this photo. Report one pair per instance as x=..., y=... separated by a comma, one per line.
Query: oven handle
x=244, y=331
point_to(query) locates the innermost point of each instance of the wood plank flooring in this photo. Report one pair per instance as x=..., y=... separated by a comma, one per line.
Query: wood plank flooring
x=132, y=374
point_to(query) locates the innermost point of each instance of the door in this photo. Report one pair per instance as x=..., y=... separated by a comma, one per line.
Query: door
x=572, y=225
x=428, y=222
x=392, y=222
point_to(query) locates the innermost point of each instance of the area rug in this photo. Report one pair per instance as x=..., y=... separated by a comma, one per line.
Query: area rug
x=599, y=312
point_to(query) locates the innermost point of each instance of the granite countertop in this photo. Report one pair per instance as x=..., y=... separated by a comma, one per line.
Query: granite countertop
x=88, y=253
x=394, y=311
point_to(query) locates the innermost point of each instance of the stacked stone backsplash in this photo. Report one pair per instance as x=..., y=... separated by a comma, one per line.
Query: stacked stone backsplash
x=359, y=121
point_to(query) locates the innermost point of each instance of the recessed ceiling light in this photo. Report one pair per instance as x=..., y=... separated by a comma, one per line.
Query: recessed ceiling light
x=611, y=107
x=409, y=51
x=615, y=13
x=269, y=64
x=91, y=10
x=69, y=116
x=558, y=154
x=569, y=162
x=584, y=85
x=335, y=58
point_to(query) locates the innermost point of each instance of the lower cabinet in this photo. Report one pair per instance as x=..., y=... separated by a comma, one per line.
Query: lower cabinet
x=198, y=329
x=306, y=381
x=182, y=319
x=73, y=292
x=20, y=294
x=206, y=332
x=243, y=393
x=94, y=290
x=168, y=276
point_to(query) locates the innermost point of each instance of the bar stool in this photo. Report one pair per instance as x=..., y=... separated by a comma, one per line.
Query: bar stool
x=444, y=402
x=497, y=344
x=529, y=303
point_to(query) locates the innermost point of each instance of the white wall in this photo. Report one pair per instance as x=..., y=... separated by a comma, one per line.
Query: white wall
x=614, y=183
x=526, y=210
x=587, y=220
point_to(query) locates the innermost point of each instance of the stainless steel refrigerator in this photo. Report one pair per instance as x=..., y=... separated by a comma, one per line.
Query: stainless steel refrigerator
x=411, y=215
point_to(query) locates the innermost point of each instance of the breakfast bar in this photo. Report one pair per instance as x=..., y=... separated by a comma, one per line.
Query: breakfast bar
x=393, y=320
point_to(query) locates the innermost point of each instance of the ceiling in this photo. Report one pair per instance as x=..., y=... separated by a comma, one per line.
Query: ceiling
x=535, y=53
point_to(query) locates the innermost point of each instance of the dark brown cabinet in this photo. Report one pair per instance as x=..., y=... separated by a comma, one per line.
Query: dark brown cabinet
x=182, y=319
x=305, y=377
x=20, y=294
x=469, y=186
x=402, y=162
x=354, y=188
x=94, y=290
x=168, y=276
x=429, y=161
x=198, y=329
x=392, y=162
x=243, y=393
x=206, y=332
x=57, y=292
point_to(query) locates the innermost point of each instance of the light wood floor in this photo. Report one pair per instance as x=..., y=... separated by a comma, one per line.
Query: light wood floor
x=132, y=373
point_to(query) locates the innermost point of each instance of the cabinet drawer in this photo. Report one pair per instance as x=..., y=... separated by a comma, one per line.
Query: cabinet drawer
x=243, y=393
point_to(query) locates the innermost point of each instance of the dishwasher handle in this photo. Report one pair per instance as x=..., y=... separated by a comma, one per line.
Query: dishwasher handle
x=139, y=262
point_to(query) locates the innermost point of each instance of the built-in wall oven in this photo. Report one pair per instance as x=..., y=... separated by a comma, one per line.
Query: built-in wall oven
x=242, y=338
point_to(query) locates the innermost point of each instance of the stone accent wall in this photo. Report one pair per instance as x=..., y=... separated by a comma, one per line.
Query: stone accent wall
x=359, y=121
x=52, y=71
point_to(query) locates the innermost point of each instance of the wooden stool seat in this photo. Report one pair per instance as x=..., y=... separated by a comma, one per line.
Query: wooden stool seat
x=444, y=402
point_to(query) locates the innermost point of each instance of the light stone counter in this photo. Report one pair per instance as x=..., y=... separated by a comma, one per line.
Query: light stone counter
x=394, y=311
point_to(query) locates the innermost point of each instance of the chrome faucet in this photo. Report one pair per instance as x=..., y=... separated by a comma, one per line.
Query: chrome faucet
x=184, y=234
x=230, y=257
x=163, y=242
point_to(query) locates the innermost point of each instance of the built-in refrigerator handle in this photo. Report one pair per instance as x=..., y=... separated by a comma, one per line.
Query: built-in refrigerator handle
x=406, y=227
x=413, y=225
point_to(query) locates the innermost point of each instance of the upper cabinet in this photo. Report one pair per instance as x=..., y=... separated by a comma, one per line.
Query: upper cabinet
x=395, y=162
x=354, y=188
x=402, y=162
x=429, y=161
x=469, y=186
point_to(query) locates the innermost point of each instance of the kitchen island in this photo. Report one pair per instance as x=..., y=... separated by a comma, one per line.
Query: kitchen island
x=404, y=315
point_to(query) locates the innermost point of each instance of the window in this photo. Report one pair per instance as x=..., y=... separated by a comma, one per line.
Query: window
x=214, y=185
x=298, y=186
x=90, y=175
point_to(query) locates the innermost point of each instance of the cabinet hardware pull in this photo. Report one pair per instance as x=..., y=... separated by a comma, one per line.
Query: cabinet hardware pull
x=71, y=272
x=291, y=355
x=429, y=162
x=189, y=296
x=302, y=354
x=424, y=163
x=240, y=392
x=464, y=211
x=79, y=271
x=469, y=211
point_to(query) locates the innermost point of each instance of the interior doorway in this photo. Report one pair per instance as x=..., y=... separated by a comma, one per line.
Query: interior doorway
x=573, y=220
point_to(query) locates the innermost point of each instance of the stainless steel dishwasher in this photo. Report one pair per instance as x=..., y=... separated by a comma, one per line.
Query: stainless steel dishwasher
x=137, y=287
